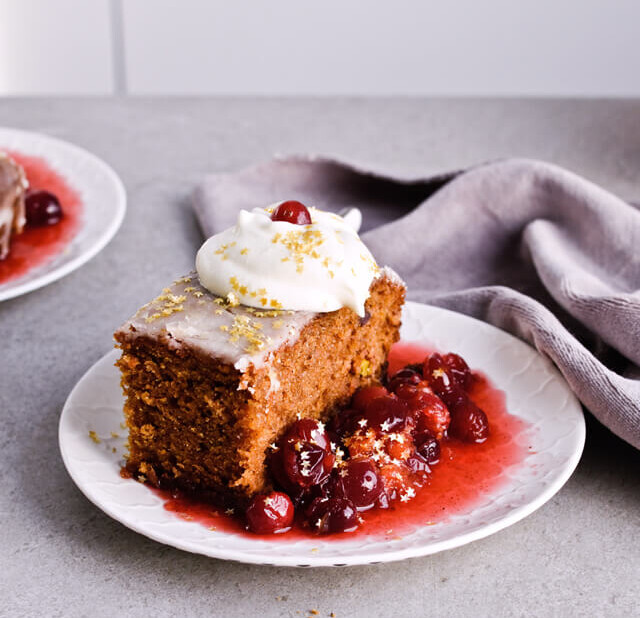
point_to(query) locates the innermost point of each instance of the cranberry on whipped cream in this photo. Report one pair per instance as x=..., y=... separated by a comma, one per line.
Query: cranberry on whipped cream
x=320, y=267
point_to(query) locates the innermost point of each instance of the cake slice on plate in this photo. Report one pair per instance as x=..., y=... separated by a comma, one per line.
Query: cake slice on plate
x=286, y=317
x=13, y=187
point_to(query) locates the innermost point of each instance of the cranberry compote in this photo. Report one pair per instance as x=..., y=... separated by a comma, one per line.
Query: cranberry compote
x=468, y=422
x=421, y=479
x=379, y=451
x=292, y=212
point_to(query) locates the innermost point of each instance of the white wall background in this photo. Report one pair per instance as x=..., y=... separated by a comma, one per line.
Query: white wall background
x=344, y=47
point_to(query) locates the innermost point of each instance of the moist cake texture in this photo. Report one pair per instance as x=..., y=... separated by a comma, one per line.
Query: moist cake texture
x=210, y=384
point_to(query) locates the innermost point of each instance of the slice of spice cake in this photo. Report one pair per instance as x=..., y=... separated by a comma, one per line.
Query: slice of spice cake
x=210, y=386
x=287, y=316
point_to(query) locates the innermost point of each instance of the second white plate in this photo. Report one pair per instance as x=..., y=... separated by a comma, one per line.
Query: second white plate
x=103, y=197
x=535, y=392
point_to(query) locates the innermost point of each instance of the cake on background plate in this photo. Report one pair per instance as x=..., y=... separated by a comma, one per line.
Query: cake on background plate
x=13, y=187
x=286, y=317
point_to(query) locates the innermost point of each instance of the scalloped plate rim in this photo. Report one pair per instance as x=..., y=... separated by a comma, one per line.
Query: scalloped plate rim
x=316, y=559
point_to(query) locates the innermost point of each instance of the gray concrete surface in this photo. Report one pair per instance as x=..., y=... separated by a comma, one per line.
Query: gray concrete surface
x=579, y=555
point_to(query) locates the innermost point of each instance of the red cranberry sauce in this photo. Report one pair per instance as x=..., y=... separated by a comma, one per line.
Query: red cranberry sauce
x=53, y=231
x=388, y=464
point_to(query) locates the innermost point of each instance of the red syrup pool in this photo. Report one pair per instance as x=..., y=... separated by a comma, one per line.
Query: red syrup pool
x=37, y=245
x=465, y=474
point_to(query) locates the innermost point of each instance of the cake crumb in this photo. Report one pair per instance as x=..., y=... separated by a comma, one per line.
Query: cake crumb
x=114, y=434
x=94, y=436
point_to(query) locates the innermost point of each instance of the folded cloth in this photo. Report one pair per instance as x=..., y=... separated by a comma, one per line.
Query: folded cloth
x=525, y=245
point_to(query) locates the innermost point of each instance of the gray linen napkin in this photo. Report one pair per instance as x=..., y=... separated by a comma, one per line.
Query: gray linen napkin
x=525, y=245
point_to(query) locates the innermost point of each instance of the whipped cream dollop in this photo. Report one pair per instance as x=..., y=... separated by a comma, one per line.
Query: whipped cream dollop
x=269, y=264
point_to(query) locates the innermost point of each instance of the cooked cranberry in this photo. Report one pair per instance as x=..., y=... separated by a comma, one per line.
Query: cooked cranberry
x=441, y=380
x=292, y=212
x=427, y=446
x=344, y=422
x=404, y=376
x=270, y=513
x=418, y=464
x=308, y=430
x=333, y=515
x=387, y=414
x=304, y=456
x=366, y=395
x=418, y=396
x=459, y=369
x=308, y=495
x=42, y=208
x=305, y=464
x=406, y=391
x=468, y=423
x=430, y=414
x=358, y=481
x=276, y=467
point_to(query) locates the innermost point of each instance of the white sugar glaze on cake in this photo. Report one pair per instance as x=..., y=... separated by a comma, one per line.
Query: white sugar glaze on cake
x=187, y=314
x=321, y=266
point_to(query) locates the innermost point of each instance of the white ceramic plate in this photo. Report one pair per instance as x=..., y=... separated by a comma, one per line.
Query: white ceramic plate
x=102, y=194
x=535, y=392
